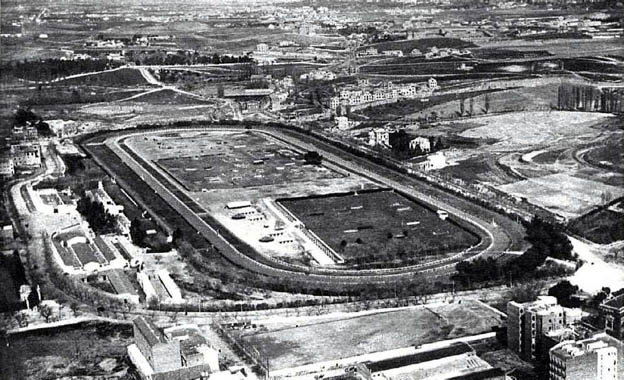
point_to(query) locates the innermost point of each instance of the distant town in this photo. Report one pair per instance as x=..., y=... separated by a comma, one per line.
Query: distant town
x=312, y=189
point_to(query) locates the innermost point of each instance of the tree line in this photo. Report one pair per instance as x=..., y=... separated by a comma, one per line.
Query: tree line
x=547, y=240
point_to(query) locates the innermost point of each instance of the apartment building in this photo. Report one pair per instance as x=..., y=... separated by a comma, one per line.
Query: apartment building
x=599, y=358
x=529, y=323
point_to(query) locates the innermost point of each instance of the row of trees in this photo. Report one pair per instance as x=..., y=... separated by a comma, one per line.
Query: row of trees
x=53, y=68
x=185, y=58
x=99, y=220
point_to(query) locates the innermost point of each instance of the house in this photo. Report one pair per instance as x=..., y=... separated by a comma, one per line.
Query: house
x=393, y=53
x=370, y=51
x=7, y=166
x=26, y=156
x=432, y=84
x=422, y=143
x=63, y=128
x=379, y=136
x=343, y=123
x=262, y=48
x=6, y=231
x=26, y=132
x=363, y=82
x=334, y=102
x=180, y=353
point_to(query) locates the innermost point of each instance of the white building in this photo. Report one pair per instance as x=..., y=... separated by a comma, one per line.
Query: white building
x=262, y=48
x=63, y=128
x=393, y=53
x=343, y=123
x=26, y=155
x=7, y=167
x=379, y=136
x=422, y=143
x=433, y=84
x=334, y=102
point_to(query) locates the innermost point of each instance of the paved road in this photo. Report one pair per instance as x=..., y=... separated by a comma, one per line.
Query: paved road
x=494, y=241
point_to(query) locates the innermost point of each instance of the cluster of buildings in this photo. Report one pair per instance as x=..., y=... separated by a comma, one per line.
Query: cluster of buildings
x=270, y=55
x=180, y=352
x=321, y=75
x=24, y=151
x=364, y=94
x=543, y=331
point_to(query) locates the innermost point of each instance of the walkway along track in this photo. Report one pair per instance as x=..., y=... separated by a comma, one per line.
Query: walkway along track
x=298, y=273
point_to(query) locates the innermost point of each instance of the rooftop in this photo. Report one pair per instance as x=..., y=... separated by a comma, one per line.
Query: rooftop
x=616, y=302
x=570, y=349
x=420, y=357
x=120, y=282
x=150, y=332
x=104, y=248
x=481, y=375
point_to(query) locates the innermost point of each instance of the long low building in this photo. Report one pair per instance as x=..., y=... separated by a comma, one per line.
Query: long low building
x=455, y=361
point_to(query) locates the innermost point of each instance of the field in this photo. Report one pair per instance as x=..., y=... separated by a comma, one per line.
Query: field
x=563, y=194
x=295, y=343
x=527, y=129
x=604, y=226
x=378, y=225
x=234, y=161
x=89, y=349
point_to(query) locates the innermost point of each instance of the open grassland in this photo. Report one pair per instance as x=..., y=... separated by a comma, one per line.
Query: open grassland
x=88, y=349
x=381, y=225
x=563, y=194
x=520, y=130
x=299, y=342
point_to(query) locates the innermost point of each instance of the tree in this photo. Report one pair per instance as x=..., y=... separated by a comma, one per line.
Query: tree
x=462, y=107
x=564, y=291
x=487, y=103
x=526, y=292
x=74, y=306
x=137, y=234
x=313, y=158
x=46, y=312
x=22, y=319
x=177, y=235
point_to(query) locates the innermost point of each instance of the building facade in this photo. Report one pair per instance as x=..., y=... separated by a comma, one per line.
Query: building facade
x=599, y=357
x=612, y=315
x=528, y=323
